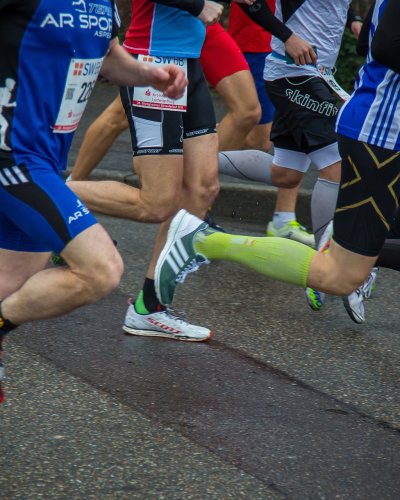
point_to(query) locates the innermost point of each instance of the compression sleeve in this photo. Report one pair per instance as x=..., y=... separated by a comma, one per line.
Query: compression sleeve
x=352, y=17
x=262, y=15
x=385, y=46
x=194, y=7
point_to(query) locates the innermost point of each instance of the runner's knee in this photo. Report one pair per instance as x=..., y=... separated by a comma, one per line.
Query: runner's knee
x=101, y=278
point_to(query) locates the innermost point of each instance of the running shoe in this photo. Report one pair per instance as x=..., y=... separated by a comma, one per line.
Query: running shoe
x=209, y=219
x=369, y=286
x=316, y=299
x=354, y=305
x=178, y=257
x=165, y=324
x=57, y=260
x=292, y=230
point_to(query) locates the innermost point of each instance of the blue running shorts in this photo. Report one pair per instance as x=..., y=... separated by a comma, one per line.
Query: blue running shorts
x=256, y=61
x=38, y=212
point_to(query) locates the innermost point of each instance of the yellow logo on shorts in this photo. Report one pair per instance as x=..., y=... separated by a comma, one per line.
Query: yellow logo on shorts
x=1, y=322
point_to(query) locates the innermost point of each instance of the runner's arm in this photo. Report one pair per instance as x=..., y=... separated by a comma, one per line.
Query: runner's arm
x=363, y=39
x=122, y=69
x=385, y=45
x=354, y=22
x=300, y=50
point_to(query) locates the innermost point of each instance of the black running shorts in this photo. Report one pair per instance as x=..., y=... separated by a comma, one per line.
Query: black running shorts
x=158, y=132
x=305, y=113
x=368, y=196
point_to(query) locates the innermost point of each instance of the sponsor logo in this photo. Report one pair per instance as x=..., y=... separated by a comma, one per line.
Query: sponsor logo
x=81, y=211
x=304, y=100
x=163, y=326
x=197, y=132
x=90, y=16
x=178, y=61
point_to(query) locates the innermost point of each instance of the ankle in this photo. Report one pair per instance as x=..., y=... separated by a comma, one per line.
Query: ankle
x=5, y=325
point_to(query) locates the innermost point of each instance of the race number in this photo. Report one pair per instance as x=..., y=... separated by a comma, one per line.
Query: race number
x=148, y=97
x=81, y=79
x=327, y=76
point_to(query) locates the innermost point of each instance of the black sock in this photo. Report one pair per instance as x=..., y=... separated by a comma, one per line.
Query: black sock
x=5, y=325
x=150, y=299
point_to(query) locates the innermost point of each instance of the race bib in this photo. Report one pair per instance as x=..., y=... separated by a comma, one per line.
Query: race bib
x=148, y=97
x=81, y=79
x=327, y=76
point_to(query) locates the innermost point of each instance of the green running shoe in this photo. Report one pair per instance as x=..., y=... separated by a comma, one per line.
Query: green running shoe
x=178, y=257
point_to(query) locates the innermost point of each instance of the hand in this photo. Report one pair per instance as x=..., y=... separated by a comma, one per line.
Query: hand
x=211, y=13
x=170, y=80
x=356, y=28
x=300, y=50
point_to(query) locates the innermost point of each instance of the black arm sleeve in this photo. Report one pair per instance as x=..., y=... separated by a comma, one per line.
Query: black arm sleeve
x=352, y=17
x=262, y=15
x=385, y=44
x=194, y=7
x=363, y=39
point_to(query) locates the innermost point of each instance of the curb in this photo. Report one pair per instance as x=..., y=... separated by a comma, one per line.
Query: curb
x=248, y=201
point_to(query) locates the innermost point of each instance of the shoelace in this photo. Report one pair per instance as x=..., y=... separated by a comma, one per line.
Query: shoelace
x=176, y=315
x=191, y=267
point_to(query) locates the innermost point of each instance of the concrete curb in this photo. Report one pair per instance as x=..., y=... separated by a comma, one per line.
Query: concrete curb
x=246, y=201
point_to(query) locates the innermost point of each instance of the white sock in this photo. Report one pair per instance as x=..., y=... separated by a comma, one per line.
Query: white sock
x=281, y=218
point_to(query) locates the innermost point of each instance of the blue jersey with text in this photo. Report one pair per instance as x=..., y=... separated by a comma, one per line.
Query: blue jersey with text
x=52, y=52
x=372, y=115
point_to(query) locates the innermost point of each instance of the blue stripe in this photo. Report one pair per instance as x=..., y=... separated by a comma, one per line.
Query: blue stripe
x=378, y=115
x=396, y=91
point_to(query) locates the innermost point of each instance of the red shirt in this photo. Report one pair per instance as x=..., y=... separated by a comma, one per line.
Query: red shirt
x=247, y=34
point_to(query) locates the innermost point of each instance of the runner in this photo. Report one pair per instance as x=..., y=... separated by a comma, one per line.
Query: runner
x=42, y=108
x=255, y=43
x=174, y=146
x=369, y=140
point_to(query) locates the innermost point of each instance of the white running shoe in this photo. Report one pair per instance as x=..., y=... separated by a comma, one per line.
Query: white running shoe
x=369, y=286
x=354, y=305
x=292, y=230
x=163, y=324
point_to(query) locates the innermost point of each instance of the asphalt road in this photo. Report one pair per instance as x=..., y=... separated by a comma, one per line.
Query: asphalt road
x=282, y=402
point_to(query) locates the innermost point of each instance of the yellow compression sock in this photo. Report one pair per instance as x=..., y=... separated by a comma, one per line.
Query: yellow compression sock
x=278, y=258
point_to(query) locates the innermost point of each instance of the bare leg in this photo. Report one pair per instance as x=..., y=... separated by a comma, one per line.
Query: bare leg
x=286, y=199
x=94, y=270
x=162, y=176
x=339, y=271
x=98, y=139
x=258, y=138
x=239, y=94
x=200, y=185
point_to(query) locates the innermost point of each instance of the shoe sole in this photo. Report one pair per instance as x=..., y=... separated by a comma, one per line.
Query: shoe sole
x=357, y=319
x=152, y=333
